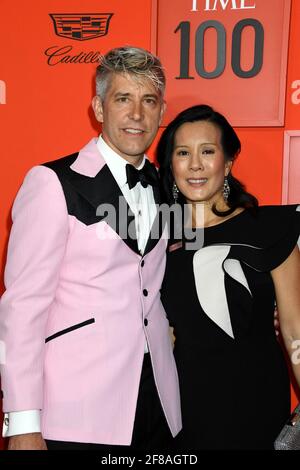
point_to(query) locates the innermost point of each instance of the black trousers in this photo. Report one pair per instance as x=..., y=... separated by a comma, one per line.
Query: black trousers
x=150, y=431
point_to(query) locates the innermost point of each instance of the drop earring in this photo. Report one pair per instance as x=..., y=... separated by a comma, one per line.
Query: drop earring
x=175, y=192
x=226, y=189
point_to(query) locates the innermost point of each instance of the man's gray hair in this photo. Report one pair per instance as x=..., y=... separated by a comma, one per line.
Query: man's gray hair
x=134, y=61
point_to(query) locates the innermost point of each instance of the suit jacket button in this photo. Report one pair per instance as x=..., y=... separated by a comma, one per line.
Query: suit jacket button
x=145, y=292
x=142, y=263
x=145, y=322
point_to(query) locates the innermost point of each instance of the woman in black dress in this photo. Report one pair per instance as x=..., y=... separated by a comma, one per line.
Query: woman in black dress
x=220, y=295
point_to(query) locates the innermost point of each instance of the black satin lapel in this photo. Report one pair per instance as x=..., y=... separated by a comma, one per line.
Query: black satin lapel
x=97, y=190
x=158, y=224
x=126, y=226
x=102, y=191
x=156, y=194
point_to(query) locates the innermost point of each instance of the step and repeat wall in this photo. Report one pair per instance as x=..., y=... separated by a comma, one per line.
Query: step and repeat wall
x=240, y=56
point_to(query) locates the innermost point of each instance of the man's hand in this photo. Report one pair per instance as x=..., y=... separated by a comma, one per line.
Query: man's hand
x=31, y=441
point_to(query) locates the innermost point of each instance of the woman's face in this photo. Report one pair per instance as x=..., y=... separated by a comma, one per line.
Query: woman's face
x=198, y=162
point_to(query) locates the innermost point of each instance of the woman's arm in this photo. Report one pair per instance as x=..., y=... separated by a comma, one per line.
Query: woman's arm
x=286, y=278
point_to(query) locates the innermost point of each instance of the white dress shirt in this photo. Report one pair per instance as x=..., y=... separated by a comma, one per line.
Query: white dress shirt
x=141, y=202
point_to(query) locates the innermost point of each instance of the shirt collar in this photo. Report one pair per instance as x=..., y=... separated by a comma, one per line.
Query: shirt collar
x=115, y=162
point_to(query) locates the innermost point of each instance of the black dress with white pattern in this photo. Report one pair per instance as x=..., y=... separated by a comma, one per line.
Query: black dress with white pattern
x=234, y=381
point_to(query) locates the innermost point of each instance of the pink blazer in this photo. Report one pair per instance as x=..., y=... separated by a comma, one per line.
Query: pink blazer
x=78, y=305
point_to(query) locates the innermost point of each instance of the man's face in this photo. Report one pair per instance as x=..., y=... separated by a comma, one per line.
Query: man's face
x=130, y=115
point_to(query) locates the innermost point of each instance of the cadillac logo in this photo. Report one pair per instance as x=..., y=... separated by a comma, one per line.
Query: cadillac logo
x=81, y=26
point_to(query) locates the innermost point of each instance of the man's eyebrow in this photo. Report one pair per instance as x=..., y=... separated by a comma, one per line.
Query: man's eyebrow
x=150, y=95
x=120, y=93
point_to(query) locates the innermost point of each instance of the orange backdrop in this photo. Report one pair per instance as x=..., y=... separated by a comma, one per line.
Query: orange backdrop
x=45, y=109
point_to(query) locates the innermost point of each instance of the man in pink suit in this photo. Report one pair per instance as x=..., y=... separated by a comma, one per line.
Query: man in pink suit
x=86, y=356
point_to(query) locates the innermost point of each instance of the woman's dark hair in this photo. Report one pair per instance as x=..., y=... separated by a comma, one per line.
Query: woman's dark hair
x=231, y=146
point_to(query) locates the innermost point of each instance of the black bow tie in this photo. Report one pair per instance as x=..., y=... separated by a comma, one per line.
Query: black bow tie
x=147, y=175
